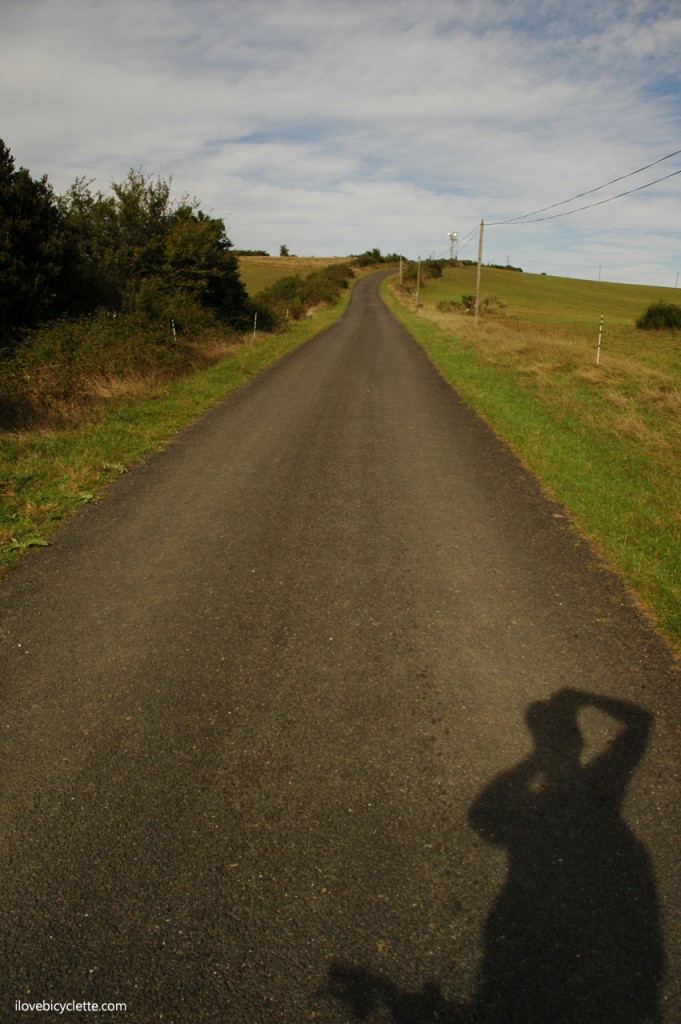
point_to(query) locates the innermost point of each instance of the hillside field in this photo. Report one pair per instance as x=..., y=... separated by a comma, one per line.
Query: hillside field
x=258, y=272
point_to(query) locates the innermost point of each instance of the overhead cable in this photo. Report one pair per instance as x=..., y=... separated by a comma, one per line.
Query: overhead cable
x=589, y=206
x=524, y=217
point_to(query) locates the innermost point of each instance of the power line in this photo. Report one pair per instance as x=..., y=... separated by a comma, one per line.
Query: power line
x=580, y=195
x=589, y=206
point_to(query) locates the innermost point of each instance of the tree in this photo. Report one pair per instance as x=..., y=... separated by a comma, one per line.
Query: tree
x=283, y=250
x=199, y=262
x=139, y=250
x=94, y=279
x=142, y=218
x=31, y=250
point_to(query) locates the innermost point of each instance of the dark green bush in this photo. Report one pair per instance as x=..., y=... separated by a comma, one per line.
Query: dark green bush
x=368, y=258
x=660, y=316
x=432, y=268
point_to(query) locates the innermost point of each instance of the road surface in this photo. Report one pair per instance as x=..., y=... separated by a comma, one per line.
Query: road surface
x=326, y=713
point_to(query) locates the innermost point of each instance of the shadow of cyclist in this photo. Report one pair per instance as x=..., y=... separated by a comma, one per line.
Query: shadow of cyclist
x=574, y=935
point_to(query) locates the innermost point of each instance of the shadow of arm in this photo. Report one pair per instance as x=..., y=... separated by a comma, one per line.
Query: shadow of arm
x=614, y=766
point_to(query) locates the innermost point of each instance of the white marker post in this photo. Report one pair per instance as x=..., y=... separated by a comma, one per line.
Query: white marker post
x=255, y=324
x=600, y=337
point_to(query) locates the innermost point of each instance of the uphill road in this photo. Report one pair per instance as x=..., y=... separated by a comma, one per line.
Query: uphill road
x=327, y=713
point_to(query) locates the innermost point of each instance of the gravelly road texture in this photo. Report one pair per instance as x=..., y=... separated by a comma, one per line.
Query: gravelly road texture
x=326, y=713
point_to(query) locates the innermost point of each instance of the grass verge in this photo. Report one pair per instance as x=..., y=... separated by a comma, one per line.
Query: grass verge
x=605, y=441
x=47, y=474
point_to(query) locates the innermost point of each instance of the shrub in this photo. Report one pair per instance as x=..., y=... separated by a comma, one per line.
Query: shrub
x=492, y=303
x=368, y=258
x=291, y=297
x=488, y=303
x=61, y=364
x=409, y=271
x=660, y=316
x=432, y=268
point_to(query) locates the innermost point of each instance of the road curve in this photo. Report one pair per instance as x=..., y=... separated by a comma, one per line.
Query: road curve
x=291, y=727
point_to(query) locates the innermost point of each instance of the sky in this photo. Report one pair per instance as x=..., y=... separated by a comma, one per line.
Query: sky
x=337, y=126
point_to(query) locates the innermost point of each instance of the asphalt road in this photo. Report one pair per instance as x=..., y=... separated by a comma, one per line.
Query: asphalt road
x=326, y=713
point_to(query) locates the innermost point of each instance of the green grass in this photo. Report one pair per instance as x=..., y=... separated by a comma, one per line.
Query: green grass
x=47, y=474
x=604, y=440
x=547, y=299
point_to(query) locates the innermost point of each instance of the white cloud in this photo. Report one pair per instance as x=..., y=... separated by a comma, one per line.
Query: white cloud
x=340, y=126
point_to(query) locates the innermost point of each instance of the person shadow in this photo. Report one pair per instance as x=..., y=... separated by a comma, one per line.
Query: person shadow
x=574, y=935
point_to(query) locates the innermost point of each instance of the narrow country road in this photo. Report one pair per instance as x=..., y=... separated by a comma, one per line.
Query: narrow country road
x=326, y=713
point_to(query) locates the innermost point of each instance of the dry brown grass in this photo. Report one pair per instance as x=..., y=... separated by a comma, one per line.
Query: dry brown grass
x=107, y=388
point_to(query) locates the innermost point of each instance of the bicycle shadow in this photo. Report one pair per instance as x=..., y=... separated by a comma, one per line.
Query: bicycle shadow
x=574, y=935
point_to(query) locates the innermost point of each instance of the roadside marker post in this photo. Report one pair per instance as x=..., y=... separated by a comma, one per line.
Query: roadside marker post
x=600, y=338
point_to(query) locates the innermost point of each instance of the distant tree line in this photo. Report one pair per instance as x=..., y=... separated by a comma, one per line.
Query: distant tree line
x=373, y=257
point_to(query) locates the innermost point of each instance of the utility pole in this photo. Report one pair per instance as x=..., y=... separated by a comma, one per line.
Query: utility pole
x=477, y=282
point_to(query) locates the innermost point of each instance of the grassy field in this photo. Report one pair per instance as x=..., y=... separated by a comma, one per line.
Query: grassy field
x=604, y=439
x=258, y=272
x=47, y=474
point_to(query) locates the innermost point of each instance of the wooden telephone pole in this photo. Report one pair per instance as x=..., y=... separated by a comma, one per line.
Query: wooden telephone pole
x=477, y=282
